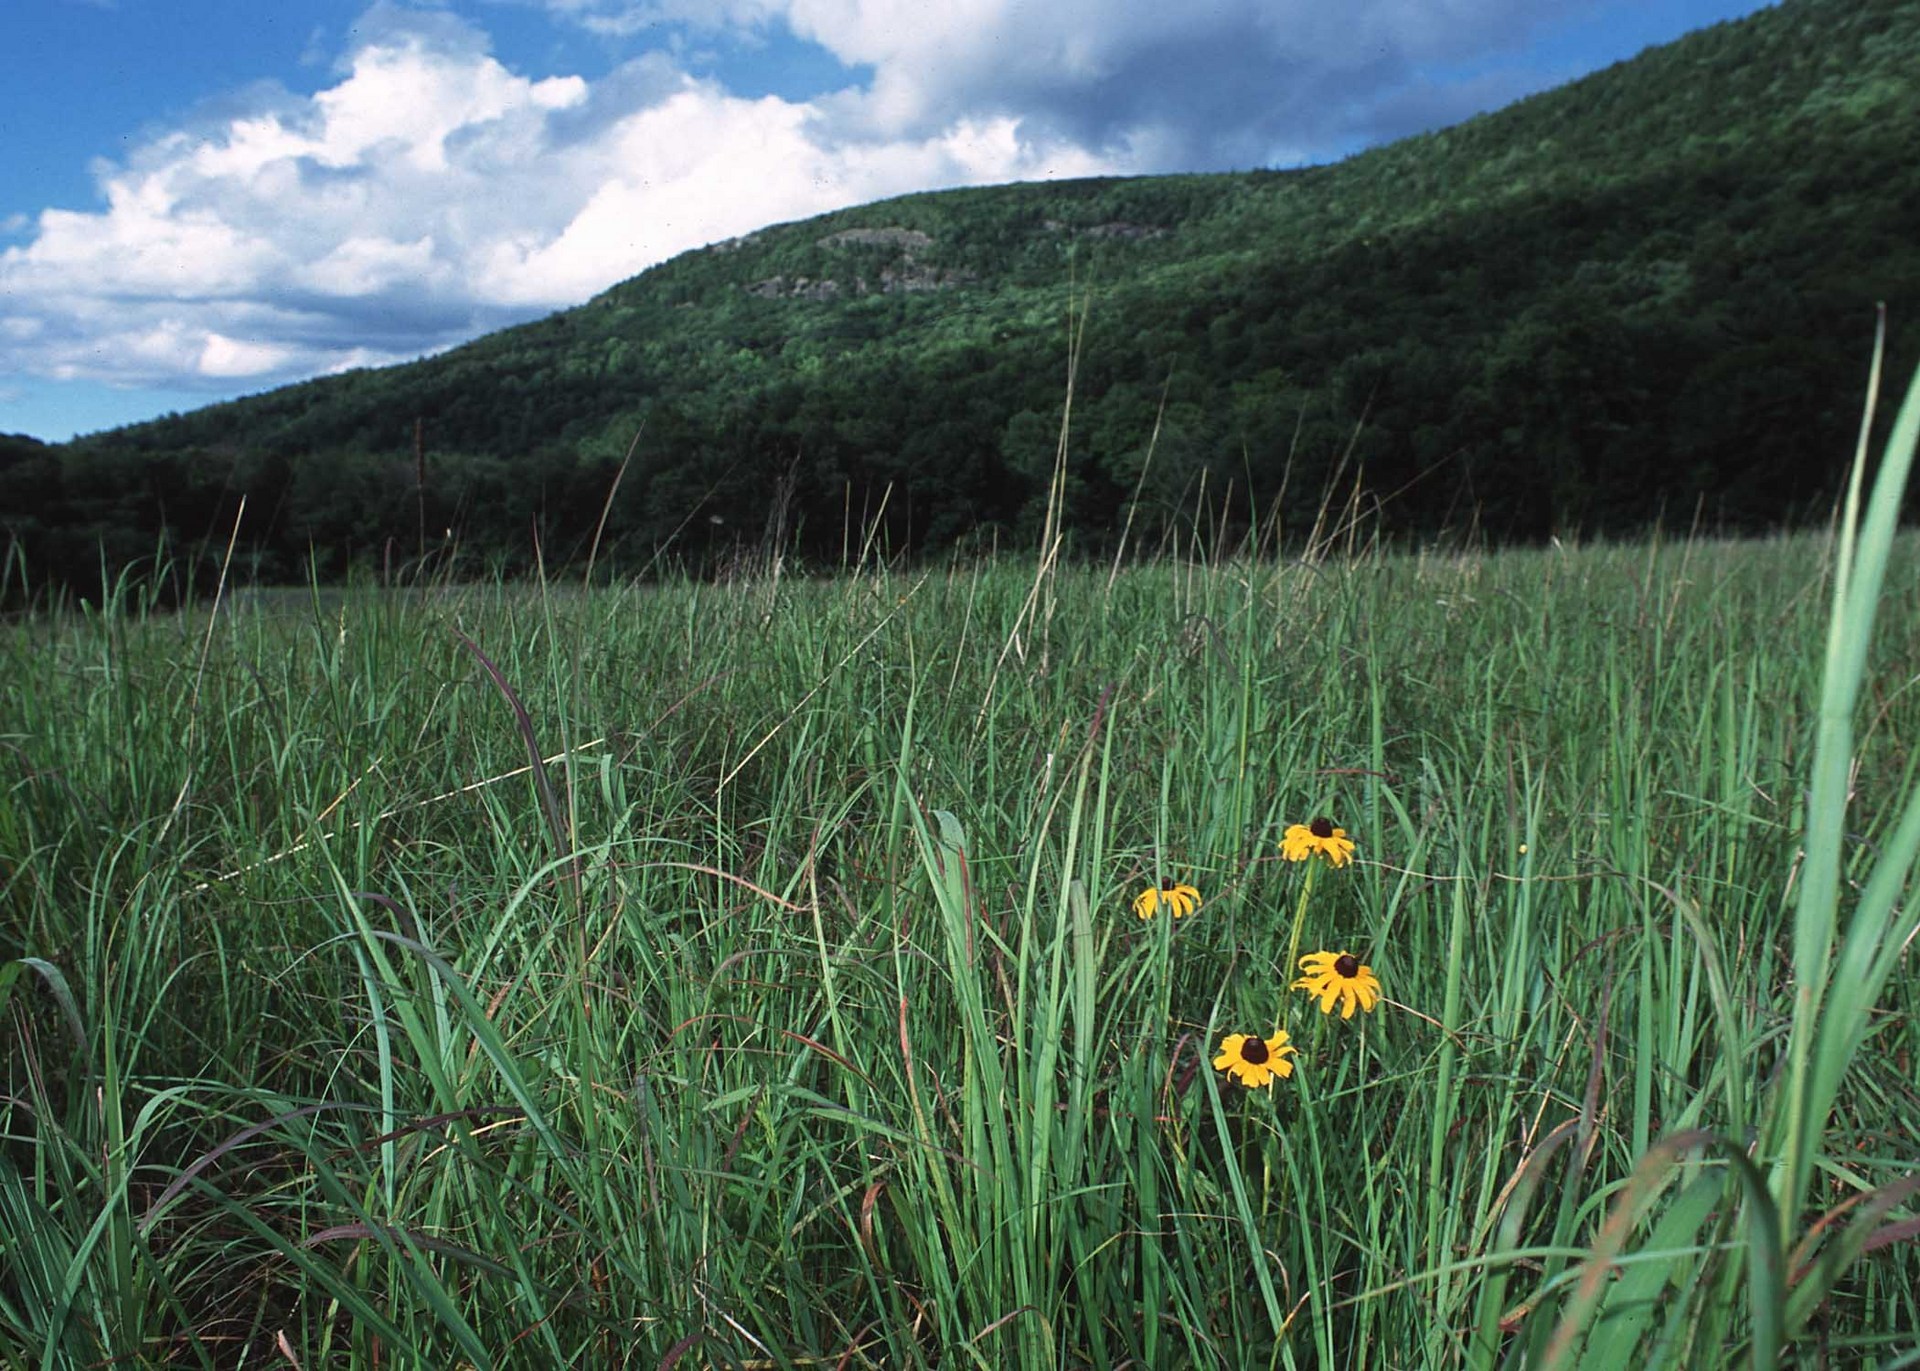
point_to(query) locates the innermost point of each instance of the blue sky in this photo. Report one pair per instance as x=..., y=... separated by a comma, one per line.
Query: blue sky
x=208, y=198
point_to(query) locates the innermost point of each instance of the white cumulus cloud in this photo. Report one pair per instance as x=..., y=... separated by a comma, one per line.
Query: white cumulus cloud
x=1204, y=84
x=431, y=193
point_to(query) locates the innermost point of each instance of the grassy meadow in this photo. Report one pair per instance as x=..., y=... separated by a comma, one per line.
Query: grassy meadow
x=747, y=975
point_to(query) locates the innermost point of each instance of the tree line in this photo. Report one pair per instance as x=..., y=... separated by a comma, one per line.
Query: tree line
x=1649, y=296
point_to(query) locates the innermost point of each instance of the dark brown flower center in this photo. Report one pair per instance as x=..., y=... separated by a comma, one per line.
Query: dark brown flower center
x=1253, y=1050
x=1321, y=827
x=1169, y=885
x=1346, y=967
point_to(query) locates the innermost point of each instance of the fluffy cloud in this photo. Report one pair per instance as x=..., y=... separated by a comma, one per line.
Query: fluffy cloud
x=1199, y=85
x=428, y=195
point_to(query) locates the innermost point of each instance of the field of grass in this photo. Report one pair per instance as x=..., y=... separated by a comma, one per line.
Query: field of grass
x=747, y=975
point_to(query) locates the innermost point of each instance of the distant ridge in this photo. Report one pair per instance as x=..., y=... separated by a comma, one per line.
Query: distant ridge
x=1648, y=294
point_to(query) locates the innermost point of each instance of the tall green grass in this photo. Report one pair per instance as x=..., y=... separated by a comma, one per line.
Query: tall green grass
x=743, y=975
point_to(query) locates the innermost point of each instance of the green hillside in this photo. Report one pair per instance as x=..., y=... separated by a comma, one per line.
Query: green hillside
x=1646, y=295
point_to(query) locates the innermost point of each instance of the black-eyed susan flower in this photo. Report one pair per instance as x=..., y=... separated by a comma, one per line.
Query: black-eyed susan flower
x=1339, y=976
x=1302, y=841
x=1254, y=1061
x=1180, y=899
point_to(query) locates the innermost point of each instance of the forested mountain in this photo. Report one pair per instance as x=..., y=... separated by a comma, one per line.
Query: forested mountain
x=1646, y=294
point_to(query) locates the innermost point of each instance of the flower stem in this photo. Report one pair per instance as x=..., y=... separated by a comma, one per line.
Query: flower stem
x=1299, y=919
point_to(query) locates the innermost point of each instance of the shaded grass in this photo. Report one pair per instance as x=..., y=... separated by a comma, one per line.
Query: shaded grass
x=790, y=1010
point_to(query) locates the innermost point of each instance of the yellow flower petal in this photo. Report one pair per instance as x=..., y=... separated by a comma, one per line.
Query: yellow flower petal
x=1339, y=976
x=1180, y=899
x=1302, y=841
x=1254, y=1061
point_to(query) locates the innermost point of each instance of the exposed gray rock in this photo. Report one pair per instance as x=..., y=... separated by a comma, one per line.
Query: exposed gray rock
x=795, y=288
x=913, y=278
x=1121, y=229
x=906, y=239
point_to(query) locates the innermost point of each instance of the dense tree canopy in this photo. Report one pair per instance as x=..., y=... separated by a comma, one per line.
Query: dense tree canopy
x=1650, y=294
